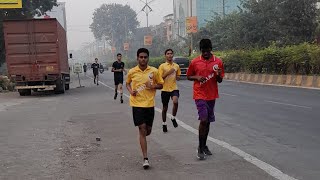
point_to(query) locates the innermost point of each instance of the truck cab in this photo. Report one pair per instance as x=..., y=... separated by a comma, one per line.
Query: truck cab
x=183, y=62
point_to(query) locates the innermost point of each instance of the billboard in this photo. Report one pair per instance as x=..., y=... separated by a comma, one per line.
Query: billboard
x=113, y=49
x=10, y=4
x=191, y=24
x=147, y=40
x=126, y=46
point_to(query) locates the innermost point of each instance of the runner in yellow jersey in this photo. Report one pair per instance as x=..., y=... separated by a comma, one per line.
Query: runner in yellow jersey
x=170, y=72
x=142, y=83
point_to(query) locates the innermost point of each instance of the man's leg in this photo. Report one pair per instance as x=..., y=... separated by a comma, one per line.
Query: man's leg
x=206, y=149
x=165, y=97
x=139, y=120
x=203, y=117
x=202, y=138
x=143, y=140
x=94, y=78
x=211, y=118
x=98, y=80
x=149, y=129
x=175, y=98
x=164, y=118
x=115, y=91
x=121, y=92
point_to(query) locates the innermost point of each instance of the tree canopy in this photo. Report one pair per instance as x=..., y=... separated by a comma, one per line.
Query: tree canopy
x=114, y=22
x=264, y=22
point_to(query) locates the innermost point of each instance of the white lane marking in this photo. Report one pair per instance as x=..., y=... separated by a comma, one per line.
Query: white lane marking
x=272, y=171
x=286, y=104
x=228, y=94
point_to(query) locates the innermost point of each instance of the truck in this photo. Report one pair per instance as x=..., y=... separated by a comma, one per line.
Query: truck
x=183, y=63
x=37, y=55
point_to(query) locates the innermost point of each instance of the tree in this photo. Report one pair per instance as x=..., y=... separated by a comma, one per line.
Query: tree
x=29, y=10
x=260, y=23
x=114, y=23
x=283, y=21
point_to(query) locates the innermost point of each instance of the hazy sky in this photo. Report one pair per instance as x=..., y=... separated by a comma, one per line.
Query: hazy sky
x=79, y=17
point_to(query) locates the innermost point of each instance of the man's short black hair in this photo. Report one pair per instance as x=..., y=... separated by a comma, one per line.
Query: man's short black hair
x=168, y=51
x=96, y=59
x=205, y=44
x=142, y=50
x=119, y=54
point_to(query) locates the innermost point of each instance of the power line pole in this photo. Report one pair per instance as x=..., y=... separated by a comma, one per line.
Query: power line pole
x=223, y=8
x=147, y=9
x=191, y=43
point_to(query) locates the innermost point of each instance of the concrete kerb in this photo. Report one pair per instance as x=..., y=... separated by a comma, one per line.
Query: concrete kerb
x=299, y=81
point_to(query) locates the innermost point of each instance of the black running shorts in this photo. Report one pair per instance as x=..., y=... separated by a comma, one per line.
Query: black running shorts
x=118, y=79
x=143, y=116
x=165, y=96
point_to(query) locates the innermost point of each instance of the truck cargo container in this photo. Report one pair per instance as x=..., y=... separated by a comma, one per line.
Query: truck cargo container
x=37, y=55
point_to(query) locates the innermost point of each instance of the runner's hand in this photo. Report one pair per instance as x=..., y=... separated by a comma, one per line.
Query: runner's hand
x=149, y=85
x=200, y=78
x=219, y=72
x=134, y=93
x=171, y=71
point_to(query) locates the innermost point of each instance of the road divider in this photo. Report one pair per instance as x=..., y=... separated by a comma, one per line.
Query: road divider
x=302, y=81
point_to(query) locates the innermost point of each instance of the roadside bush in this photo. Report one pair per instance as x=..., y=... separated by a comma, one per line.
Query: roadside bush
x=299, y=59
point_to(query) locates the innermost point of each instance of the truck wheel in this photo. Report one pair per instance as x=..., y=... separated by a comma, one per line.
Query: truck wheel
x=61, y=87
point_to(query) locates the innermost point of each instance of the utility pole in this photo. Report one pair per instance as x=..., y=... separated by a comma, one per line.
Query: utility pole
x=223, y=8
x=191, y=43
x=126, y=28
x=147, y=9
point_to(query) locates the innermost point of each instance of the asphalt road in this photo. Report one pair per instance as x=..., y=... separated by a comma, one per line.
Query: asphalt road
x=49, y=136
x=278, y=125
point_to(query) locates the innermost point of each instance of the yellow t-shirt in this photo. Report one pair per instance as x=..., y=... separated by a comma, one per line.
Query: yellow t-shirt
x=170, y=82
x=138, y=78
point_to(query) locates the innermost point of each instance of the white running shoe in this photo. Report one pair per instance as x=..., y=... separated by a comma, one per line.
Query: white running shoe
x=146, y=164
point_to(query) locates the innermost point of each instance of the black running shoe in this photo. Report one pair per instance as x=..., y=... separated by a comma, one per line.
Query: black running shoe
x=174, y=122
x=200, y=154
x=207, y=151
x=164, y=128
x=121, y=101
x=115, y=96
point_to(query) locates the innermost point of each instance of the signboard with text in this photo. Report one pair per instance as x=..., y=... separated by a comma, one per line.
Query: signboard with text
x=191, y=24
x=77, y=68
x=10, y=4
x=147, y=40
x=126, y=46
x=113, y=49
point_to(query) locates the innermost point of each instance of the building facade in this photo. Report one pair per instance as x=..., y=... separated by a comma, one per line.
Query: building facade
x=205, y=10
x=168, y=21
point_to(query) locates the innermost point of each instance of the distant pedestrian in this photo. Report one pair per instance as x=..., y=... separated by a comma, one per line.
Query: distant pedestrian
x=118, y=69
x=95, y=69
x=85, y=67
